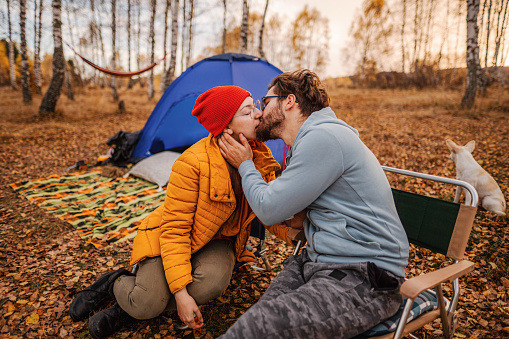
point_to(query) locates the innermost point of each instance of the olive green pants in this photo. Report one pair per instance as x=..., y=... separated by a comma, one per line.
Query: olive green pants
x=146, y=295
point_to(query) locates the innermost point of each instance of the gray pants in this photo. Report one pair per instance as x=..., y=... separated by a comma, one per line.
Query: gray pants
x=147, y=294
x=321, y=300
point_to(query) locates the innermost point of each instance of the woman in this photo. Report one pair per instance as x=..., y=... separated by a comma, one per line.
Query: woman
x=186, y=249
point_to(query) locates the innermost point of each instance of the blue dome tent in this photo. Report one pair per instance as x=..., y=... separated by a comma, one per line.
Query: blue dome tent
x=172, y=126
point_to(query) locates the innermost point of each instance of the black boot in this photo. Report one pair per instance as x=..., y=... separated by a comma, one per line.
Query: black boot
x=94, y=296
x=108, y=321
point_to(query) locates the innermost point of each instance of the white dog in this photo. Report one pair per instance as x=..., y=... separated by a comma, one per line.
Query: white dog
x=467, y=169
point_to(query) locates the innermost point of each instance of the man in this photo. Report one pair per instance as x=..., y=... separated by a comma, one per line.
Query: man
x=347, y=278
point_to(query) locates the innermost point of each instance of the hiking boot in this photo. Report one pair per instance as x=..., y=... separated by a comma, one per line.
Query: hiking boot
x=108, y=321
x=93, y=297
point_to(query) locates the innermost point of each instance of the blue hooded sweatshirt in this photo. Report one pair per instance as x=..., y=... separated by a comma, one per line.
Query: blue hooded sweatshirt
x=351, y=213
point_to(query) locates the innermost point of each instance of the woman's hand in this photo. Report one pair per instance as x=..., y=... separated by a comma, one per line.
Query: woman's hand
x=234, y=152
x=187, y=309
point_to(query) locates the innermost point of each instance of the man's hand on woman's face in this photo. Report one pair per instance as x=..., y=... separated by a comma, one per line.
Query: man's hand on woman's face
x=234, y=152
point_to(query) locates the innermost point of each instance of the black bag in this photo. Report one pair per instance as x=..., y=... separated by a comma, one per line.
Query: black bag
x=124, y=143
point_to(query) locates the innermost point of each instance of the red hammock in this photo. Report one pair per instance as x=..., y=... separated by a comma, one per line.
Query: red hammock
x=117, y=73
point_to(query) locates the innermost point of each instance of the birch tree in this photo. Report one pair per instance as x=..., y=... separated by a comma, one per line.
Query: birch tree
x=262, y=26
x=11, y=50
x=403, y=21
x=168, y=7
x=499, y=38
x=223, y=49
x=190, y=34
x=174, y=37
x=184, y=35
x=68, y=85
x=138, y=57
x=130, y=83
x=113, y=83
x=472, y=54
x=25, y=83
x=37, y=46
x=152, y=47
x=244, y=27
x=49, y=101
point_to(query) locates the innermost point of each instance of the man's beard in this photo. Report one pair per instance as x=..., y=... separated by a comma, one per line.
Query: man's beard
x=271, y=125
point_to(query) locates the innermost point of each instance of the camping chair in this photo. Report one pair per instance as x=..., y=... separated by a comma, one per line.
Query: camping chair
x=440, y=226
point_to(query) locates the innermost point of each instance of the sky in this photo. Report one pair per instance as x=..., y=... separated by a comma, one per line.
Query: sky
x=340, y=14
x=207, y=27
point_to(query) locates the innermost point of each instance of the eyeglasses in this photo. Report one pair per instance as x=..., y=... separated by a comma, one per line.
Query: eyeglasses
x=251, y=112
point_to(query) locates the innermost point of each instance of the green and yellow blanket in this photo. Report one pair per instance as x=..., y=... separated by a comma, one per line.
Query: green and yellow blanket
x=102, y=209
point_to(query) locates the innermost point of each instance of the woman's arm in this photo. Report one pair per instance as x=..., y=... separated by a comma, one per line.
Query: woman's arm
x=177, y=221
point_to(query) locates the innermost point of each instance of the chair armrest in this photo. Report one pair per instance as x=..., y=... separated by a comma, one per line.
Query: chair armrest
x=414, y=286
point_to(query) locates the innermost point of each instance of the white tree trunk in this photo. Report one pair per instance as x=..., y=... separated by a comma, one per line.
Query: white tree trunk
x=223, y=49
x=163, y=76
x=49, y=101
x=260, y=44
x=174, y=36
x=25, y=83
x=190, y=34
x=473, y=62
x=37, y=46
x=244, y=27
x=113, y=47
x=11, y=50
x=152, y=46
x=130, y=84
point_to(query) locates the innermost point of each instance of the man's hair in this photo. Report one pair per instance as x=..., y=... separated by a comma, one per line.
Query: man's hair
x=306, y=86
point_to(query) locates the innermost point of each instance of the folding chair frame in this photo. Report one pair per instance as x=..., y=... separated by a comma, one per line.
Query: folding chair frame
x=413, y=287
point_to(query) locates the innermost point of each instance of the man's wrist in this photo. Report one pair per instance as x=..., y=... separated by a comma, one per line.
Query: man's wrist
x=245, y=166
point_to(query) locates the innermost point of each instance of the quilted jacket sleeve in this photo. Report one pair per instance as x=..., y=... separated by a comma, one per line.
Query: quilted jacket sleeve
x=177, y=221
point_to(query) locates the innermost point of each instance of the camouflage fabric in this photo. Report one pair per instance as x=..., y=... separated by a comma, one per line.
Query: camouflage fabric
x=102, y=209
x=319, y=300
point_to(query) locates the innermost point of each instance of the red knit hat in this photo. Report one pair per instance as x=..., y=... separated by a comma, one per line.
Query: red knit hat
x=216, y=107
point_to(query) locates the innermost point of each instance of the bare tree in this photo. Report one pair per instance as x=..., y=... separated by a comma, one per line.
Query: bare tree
x=130, y=84
x=473, y=62
x=244, y=27
x=184, y=36
x=370, y=32
x=113, y=47
x=37, y=46
x=68, y=85
x=190, y=34
x=174, y=36
x=25, y=81
x=500, y=34
x=138, y=58
x=49, y=101
x=11, y=50
x=168, y=7
x=153, y=5
x=403, y=38
x=224, y=28
x=262, y=26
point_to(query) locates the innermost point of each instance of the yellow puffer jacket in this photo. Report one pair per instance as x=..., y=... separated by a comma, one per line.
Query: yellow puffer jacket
x=199, y=200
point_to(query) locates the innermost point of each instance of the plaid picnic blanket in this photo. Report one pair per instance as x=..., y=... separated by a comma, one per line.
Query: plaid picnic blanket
x=102, y=209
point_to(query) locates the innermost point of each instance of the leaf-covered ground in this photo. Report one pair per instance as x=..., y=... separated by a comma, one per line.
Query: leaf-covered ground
x=43, y=263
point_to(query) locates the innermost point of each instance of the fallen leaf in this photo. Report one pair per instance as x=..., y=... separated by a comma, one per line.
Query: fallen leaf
x=32, y=319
